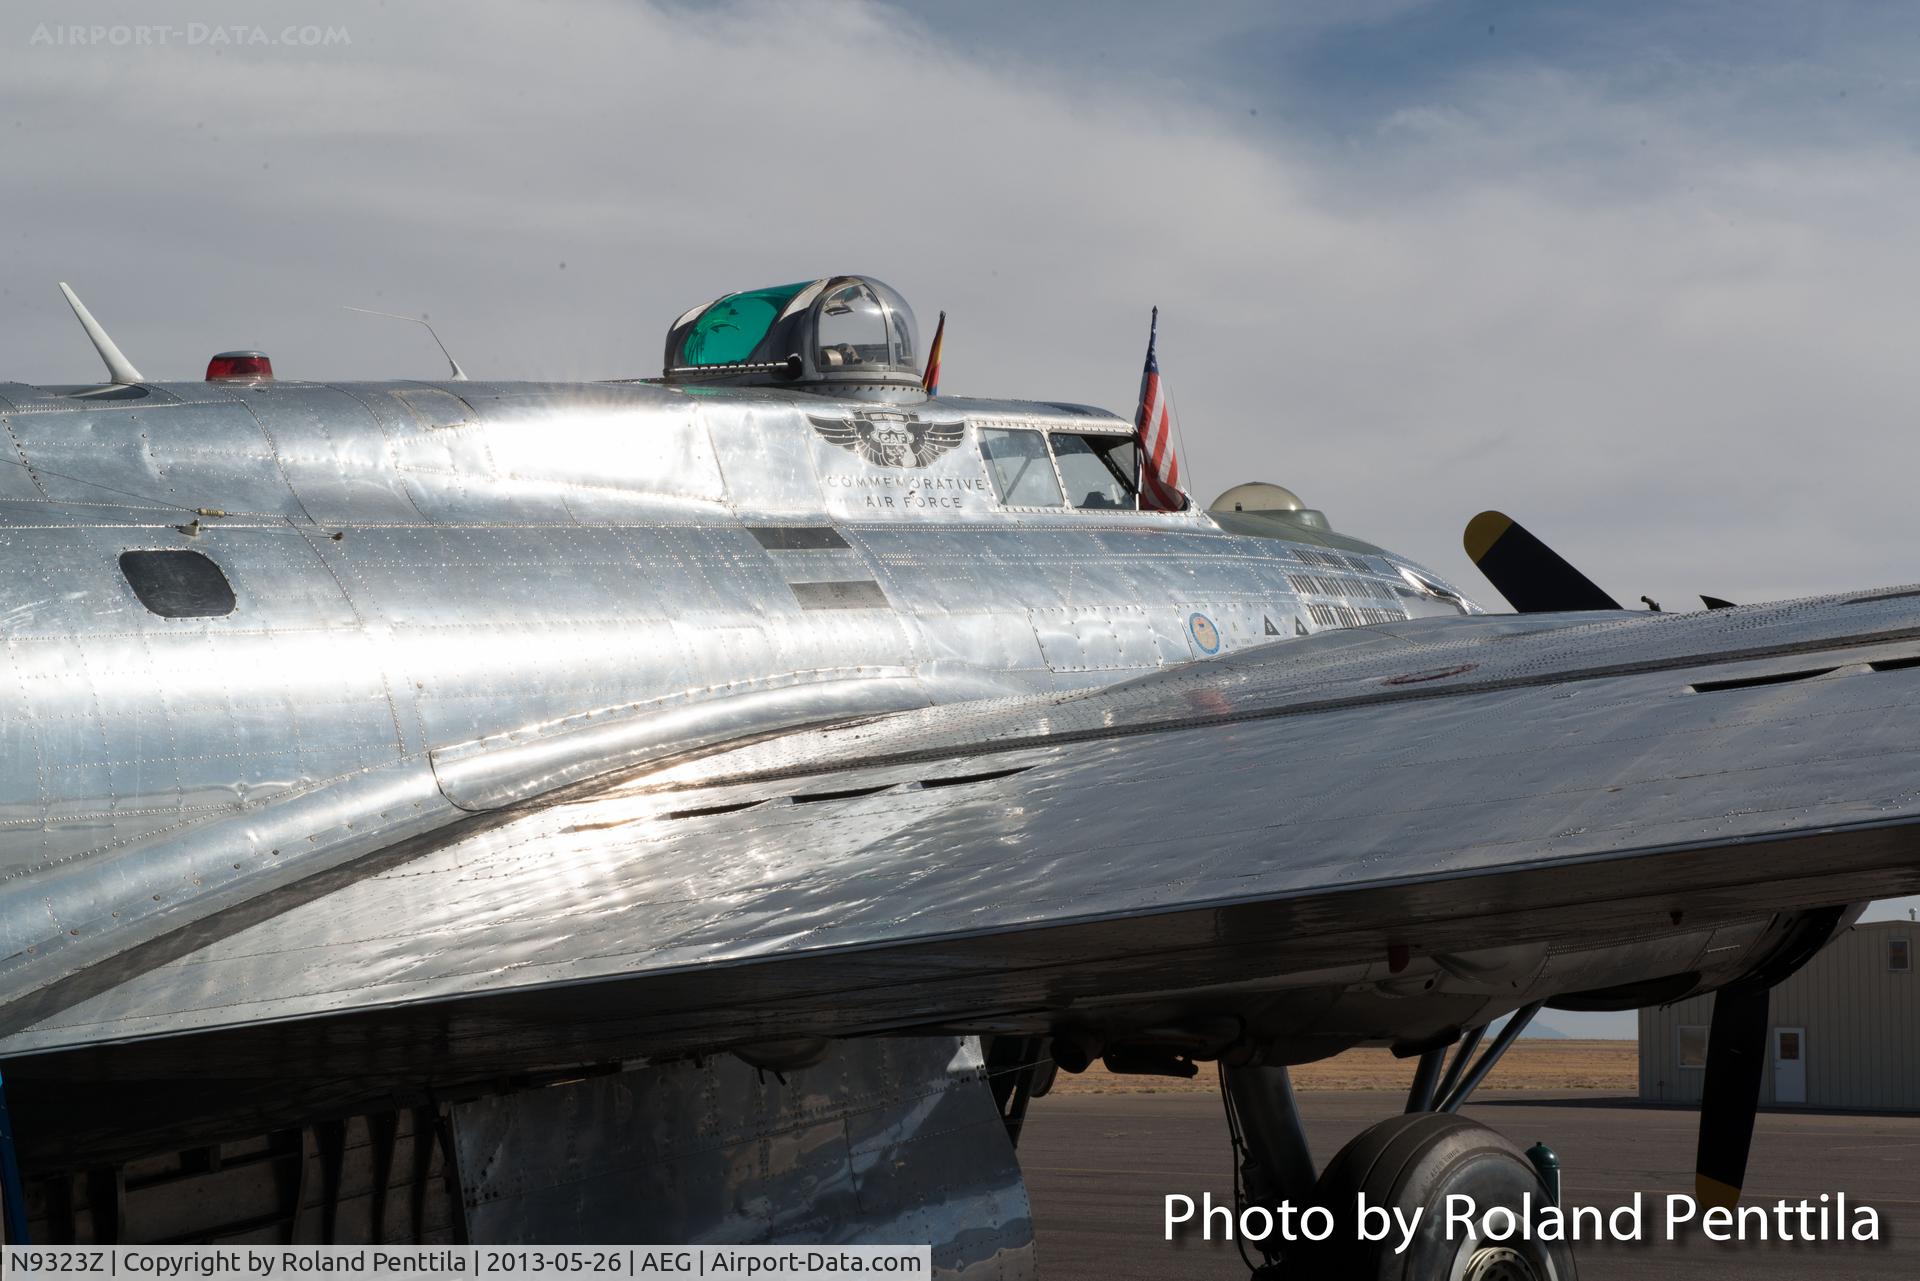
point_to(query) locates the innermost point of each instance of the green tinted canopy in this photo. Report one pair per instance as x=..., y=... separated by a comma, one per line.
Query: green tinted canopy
x=727, y=331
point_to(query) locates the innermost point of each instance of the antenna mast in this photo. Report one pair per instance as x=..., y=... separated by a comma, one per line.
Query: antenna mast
x=119, y=368
x=459, y=374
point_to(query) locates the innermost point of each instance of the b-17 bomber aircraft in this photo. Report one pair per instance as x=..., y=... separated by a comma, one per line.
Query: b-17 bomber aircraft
x=711, y=808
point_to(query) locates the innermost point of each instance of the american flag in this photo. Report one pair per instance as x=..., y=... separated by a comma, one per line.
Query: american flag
x=1153, y=437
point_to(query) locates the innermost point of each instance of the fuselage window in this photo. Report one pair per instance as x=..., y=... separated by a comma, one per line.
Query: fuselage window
x=1097, y=471
x=178, y=584
x=1022, y=472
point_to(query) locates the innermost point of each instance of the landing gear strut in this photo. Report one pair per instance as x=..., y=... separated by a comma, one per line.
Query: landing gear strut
x=1406, y=1165
x=1272, y=1162
x=1432, y=1092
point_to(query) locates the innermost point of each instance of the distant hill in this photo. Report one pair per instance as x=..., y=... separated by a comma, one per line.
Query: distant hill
x=1578, y=1027
x=1571, y=1025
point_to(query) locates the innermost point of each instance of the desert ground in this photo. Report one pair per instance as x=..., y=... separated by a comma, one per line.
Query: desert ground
x=1530, y=1065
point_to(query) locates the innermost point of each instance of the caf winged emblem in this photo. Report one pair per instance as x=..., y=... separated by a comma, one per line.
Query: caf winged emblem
x=891, y=437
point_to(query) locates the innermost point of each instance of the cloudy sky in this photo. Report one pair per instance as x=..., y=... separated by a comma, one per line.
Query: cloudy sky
x=1646, y=275
x=1642, y=274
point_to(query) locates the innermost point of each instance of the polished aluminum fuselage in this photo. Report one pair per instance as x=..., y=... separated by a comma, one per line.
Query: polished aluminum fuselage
x=451, y=598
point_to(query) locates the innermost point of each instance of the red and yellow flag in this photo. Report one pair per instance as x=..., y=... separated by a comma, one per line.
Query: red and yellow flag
x=930, y=381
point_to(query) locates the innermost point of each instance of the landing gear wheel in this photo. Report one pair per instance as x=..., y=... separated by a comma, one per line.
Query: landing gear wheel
x=1417, y=1161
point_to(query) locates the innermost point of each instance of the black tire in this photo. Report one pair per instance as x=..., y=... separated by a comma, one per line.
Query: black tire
x=1418, y=1161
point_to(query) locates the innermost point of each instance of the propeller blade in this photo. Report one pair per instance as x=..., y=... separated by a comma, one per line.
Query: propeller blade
x=1714, y=602
x=1736, y=1053
x=1533, y=577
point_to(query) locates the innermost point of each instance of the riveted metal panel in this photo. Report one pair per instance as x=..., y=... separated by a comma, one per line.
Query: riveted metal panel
x=28, y=398
x=143, y=722
x=165, y=456
x=436, y=409
x=797, y=538
x=990, y=641
x=527, y=454
x=640, y=456
x=332, y=452
x=17, y=485
x=766, y=456
x=840, y=594
x=1107, y=639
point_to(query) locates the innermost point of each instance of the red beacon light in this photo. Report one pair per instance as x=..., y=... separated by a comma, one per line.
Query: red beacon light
x=240, y=367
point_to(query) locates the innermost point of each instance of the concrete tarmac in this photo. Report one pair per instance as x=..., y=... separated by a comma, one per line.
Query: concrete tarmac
x=1098, y=1167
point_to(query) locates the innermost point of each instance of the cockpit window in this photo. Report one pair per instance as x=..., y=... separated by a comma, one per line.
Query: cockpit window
x=727, y=332
x=1022, y=472
x=1096, y=470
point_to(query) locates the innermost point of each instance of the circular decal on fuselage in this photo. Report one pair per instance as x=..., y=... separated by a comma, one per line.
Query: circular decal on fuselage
x=1205, y=634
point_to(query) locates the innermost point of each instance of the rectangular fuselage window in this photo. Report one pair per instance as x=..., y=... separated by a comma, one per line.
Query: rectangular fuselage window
x=1097, y=471
x=1022, y=472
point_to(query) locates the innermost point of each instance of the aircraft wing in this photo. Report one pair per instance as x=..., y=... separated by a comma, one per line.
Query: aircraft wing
x=1428, y=785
